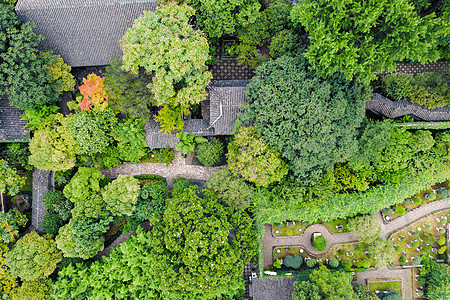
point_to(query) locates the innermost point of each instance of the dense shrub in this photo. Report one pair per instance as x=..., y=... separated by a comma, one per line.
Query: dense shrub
x=414, y=244
x=320, y=243
x=347, y=265
x=293, y=261
x=432, y=196
x=441, y=241
x=334, y=263
x=17, y=155
x=179, y=184
x=430, y=89
x=400, y=210
x=232, y=190
x=286, y=42
x=9, y=225
x=210, y=153
x=165, y=155
x=52, y=222
x=445, y=193
x=311, y=263
x=55, y=201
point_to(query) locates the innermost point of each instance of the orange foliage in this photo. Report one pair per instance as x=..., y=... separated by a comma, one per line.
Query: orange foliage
x=93, y=92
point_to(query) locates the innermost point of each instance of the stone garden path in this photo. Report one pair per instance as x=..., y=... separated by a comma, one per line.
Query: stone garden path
x=270, y=242
x=177, y=168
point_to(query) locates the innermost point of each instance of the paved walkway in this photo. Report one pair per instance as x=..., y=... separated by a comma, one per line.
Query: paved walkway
x=177, y=168
x=412, y=216
x=387, y=273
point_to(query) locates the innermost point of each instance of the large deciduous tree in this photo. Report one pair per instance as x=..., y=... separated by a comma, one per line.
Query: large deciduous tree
x=325, y=284
x=31, y=79
x=364, y=37
x=366, y=228
x=312, y=122
x=121, y=195
x=53, y=145
x=232, y=190
x=250, y=156
x=84, y=191
x=127, y=92
x=33, y=257
x=202, y=246
x=166, y=46
x=382, y=252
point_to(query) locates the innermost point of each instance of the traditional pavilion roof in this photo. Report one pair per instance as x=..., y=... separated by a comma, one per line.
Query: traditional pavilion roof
x=83, y=32
x=220, y=114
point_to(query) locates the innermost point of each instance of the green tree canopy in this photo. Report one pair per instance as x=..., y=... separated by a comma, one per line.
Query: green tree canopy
x=312, y=122
x=326, y=285
x=250, y=155
x=202, y=246
x=121, y=195
x=53, y=145
x=127, y=92
x=84, y=191
x=172, y=52
x=35, y=289
x=29, y=80
x=197, y=250
x=9, y=179
x=82, y=237
x=217, y=17
x=382, y=252
x=366, y=228
x=361, y=38
x=232, y=190
x=93, y=130
x=33, y=257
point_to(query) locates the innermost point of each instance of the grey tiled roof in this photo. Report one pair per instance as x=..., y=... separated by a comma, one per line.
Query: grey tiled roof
x=394, y=109
x=227, y=94
x=83, y=32
x=12, y=128
x=268, y=288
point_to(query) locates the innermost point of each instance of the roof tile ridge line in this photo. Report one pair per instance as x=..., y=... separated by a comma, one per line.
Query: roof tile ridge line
x=211, y=89
x=21, y=7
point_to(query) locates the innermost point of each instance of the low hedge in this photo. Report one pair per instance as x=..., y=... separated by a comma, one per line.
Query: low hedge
x=270, y=208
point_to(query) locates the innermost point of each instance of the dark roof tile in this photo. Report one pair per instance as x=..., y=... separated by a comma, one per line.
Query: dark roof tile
x=83, y=32
x=12, y=127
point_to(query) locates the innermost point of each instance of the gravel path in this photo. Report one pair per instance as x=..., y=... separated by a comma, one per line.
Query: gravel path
x=387, y=273
x=177, y=168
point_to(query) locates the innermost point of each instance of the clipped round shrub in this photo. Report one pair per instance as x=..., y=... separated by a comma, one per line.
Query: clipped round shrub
x=387, y=211
x=400, y=210
x=442, y=231
x=320, y=243
x=403, y=238
x=402, y=260
x=420, y=293
x=415, y=234
x=398, y=249
x=277, y=264
x=334, y=263
x=442, y=250
x=415, y=244
x=443, y=221
x=340, y=252
x=311, y=263
x=52, y=222
x=406, y=201
x=432, y=196
x=292, y=261
x=347, y=265
x=357, y=248
x=421, y=281
x=363, y=264
x=428, y=227
x=210, y=153
x=416, y=200
x=441, y=241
